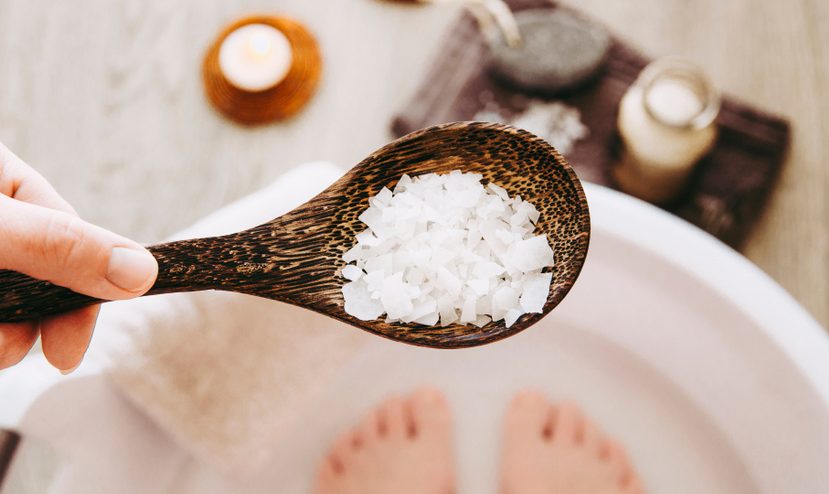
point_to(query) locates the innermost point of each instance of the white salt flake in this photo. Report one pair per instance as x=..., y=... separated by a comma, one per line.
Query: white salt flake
x=402, y=183
x=395, y=298
x=429, y=319
x=479, y=286
x=423, y=307
x=368, y=239
x=384, y=196
x=359, y=303
x=448, y=282
x=532, y=253
x=534, y=291
x=511, y=316
x=499, y=191
x=505, y=298
x=353, y=254
x=448, y=316
x=481, y=321
x=352, y=272
x=374, y=280
x=468, y=313
x=488, y=269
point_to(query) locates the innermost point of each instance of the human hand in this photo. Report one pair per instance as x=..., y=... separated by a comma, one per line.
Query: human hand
x=42, y=236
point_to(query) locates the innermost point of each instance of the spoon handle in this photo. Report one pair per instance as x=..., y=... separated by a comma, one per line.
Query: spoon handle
x=183, y=266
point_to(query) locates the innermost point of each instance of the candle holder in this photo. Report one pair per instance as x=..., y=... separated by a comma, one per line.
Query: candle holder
x=278, y=102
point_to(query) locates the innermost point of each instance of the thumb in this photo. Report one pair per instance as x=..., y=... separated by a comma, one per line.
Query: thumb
x=65, y=250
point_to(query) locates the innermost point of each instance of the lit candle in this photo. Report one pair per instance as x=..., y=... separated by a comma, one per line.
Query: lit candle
x=255, y=57
x=666, y=121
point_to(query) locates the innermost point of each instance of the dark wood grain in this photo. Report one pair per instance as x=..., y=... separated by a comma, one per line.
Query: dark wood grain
x=9, y=441
x=297, y=257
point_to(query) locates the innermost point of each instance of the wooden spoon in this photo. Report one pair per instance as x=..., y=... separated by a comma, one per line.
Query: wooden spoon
x=297, y=258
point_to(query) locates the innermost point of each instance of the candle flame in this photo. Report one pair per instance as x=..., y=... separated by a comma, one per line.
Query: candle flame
x=259, y=45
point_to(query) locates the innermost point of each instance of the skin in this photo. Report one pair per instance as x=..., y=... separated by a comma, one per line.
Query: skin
x=43, y=237
x=405, y=446
x=550, y=448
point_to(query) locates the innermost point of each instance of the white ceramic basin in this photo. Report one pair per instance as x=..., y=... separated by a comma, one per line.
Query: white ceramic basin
x=714, y=378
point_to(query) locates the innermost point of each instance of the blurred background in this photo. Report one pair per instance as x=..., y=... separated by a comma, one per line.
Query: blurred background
x=106, y=100
x=707, y=373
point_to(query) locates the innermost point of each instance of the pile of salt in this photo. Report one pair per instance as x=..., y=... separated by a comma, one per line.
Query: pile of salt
x=445, y=248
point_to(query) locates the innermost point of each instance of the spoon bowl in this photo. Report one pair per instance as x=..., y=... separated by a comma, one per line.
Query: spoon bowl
x=297, y=257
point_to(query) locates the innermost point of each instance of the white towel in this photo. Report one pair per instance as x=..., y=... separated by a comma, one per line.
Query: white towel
x=223, y=372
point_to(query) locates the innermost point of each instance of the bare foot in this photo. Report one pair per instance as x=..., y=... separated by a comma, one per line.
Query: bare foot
x=402, y=447
x=550, y=449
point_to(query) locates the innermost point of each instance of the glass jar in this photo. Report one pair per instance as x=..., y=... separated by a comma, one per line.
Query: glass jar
x=667, y=123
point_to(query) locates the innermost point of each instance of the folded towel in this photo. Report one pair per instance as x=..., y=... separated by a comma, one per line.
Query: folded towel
x=223, y=372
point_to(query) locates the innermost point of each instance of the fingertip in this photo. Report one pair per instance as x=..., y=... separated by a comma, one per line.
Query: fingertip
x=69, y=371
x=65, y=337
x=15, y=342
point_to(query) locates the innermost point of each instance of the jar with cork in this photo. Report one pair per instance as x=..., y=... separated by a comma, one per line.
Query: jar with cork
x=667, y=122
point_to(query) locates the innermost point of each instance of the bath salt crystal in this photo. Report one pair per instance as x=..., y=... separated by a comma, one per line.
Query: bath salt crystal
x=530, y=254
x=352, y=272
x=359, y=303
x=446, y=249
x=534, y=291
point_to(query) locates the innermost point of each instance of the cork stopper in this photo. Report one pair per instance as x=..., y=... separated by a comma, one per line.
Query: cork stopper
x=278, y=102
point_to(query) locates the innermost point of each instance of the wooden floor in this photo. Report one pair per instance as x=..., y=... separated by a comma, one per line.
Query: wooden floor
x=104, y=98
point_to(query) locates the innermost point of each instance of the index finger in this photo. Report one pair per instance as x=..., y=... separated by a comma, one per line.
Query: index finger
x=20, y=181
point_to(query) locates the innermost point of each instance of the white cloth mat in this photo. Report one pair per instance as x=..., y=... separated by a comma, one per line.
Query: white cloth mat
x=223, y=372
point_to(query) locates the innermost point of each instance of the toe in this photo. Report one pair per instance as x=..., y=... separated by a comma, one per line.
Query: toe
x=633, y=487
x=330, y=467
x=344, y=450
x=616, y=456
x=626, y=476
x=375, y=424
x=327, y=477
x=381, y=421
x=393, y=414
x=528, y=415
x=338, y=456
x=569, y=424
x=342, y=446
x=593, y=436
x=370, y=428
x=356, y=438
x=428, y=412
x=529, y=399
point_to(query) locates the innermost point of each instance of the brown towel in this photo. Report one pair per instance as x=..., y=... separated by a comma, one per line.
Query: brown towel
x=729, y=187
